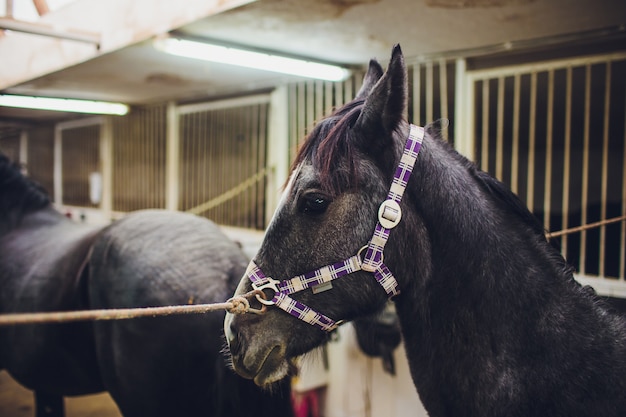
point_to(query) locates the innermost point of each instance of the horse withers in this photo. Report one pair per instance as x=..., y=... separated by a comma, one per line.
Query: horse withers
x=493, y=322
x=160, y=366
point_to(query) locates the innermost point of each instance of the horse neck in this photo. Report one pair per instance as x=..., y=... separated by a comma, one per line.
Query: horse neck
x=471, y=260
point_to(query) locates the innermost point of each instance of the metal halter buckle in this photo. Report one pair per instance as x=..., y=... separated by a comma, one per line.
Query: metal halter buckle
x=389, y=214
x=271, y=284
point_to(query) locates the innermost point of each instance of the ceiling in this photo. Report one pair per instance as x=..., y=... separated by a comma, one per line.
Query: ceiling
x=348, y=32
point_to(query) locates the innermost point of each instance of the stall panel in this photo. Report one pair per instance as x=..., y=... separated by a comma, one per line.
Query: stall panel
x=139, y=143
x=555, y=133
x=10, y=143
x=223, y=162
x=80, y=158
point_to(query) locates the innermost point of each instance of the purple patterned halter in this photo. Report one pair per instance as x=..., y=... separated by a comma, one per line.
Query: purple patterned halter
x=389, y=215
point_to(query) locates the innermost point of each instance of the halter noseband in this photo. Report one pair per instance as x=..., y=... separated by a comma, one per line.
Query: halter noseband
x=389, y=215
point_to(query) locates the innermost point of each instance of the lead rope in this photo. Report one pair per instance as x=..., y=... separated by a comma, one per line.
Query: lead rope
x=236, y=305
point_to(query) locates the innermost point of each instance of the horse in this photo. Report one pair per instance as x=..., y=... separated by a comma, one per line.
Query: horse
x=154, y=366
x=493, y=321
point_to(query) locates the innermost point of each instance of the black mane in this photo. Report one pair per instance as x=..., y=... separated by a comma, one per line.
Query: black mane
x=328, y=143
x=17, y=192
x=510, y=200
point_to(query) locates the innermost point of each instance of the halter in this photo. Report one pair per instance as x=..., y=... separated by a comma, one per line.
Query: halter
x=389, y=215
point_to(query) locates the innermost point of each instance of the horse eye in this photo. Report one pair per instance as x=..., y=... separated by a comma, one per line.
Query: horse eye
x=314, y=204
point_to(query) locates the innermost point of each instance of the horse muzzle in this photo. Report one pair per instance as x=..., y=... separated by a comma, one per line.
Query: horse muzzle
x=262, y=360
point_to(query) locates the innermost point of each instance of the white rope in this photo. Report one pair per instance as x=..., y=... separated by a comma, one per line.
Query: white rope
x=236, y=305
x=584, y=227
x=233, y=192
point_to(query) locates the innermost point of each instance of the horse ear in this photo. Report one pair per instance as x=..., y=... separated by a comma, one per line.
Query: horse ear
x=386, y=104
x=373, y=74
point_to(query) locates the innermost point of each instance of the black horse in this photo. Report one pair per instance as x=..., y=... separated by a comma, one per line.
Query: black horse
x=493, y=321
x=161, y=366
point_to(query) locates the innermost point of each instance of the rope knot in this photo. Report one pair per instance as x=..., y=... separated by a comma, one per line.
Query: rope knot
x=240, y=305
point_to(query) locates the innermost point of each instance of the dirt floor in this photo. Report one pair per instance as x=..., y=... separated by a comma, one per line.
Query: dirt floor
x=17, y=401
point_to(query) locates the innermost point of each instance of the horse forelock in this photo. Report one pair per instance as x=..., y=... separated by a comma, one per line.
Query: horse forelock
x=18, y=192
x=329, y=144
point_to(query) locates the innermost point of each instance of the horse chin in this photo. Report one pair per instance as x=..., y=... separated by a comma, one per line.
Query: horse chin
x=274, y=368
x=264, y=369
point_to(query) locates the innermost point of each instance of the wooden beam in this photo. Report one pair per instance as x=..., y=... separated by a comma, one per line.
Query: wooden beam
x=41, y=6
x=49, y=31
x=119, y=23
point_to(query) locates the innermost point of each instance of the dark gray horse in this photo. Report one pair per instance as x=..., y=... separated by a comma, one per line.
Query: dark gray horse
x=493, y=321
x=163, y=366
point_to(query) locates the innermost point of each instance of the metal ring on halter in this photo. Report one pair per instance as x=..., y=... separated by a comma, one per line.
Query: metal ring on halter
x=271, y=284
x=368, y=267
x=360, y=255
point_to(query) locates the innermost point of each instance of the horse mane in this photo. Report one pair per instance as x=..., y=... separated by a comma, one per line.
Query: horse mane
x=17, y=192
x=328, y=143
x=503, y=194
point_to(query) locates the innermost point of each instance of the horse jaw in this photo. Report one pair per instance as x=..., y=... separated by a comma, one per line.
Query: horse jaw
x=263, y=360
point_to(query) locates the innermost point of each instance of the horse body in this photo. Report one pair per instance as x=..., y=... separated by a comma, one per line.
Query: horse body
x=46, y=252
x=494, y=323
x=160, y=366
x=127, y=269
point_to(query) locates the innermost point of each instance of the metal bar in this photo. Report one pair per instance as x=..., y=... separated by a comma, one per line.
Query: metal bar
x=249, y=165
x=348, y=90
x=58, y=165
x=509, y=46
x=263, y=157
x=515, y=145
x=310, y=105
x=429, y=92
x=46, y=30
x=319, y=100
x=567, y=158
x=301, y=116
x=547, y=193
x=463, y=116
x=338, y=94
x=605, y=168
x=443, y=93
x=172, y=154
x=23, y=147
x=224, y=104
x=500, y=129
x=328, y=97
x=417, y=94
x=210, y=169
x=548, y=65
x=530, y=197
x=585, y=168
x=484, y=159
x=622, y=259
x=292, y=123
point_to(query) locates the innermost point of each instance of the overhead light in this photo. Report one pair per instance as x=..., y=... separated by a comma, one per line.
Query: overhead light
x=250, y=59
x=63, y=104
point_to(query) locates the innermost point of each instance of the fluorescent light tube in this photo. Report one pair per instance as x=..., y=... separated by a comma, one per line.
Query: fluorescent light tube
x=63, y=104
x=250, y=59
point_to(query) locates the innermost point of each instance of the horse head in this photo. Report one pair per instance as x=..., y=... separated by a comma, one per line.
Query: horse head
x=328, y=212
x=19, y=195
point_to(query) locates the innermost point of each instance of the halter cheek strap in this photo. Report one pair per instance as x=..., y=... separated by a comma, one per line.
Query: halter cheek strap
x=389, y=215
